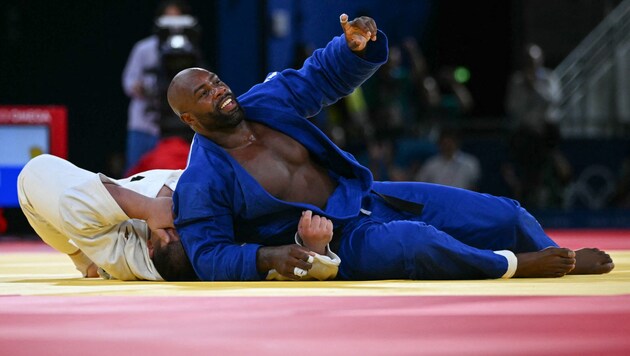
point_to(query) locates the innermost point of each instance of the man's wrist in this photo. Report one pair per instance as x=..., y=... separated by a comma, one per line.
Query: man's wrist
x=263, y=264
x=323, y=250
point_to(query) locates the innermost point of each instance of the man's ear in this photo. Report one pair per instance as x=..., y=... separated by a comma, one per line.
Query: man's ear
x=150, y=247
x=186, y=118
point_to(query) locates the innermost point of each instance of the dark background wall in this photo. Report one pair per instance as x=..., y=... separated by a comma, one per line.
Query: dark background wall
x=72, y=53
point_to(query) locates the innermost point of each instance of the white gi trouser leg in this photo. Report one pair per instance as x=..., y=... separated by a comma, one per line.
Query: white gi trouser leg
x=71, y=209
x=39, y=188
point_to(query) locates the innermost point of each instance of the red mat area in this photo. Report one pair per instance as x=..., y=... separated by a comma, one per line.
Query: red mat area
x=611, y=239
x=419, y=325
x=303, y=325
x=9, y=245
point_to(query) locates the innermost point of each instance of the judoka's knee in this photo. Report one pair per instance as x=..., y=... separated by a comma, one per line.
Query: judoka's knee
x=510, y=213
x=417, y=239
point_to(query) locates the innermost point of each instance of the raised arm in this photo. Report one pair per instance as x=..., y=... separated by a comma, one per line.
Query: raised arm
x=328, y=75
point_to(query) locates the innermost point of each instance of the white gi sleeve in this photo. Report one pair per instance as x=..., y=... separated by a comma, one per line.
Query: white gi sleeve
x=102, y=230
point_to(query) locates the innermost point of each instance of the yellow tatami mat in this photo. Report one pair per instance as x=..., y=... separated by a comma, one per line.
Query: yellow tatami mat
x=51, y=273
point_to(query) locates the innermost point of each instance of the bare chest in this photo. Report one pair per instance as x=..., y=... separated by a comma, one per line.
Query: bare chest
x=284, y=168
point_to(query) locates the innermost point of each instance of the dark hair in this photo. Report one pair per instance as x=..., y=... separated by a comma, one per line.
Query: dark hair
x=173, y=264
x=182, y=5
x=450, y=132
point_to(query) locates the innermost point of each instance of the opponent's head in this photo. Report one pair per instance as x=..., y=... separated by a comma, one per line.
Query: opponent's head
x=169, y=257
x=203, y=101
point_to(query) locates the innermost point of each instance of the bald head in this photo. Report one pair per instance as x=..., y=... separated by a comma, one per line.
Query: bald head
x=203, y=102
x=180, y=90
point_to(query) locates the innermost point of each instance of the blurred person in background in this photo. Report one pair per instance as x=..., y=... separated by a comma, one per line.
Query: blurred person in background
x=455, y=100
x=401, y=99
x=538, y=172
x=141, y=84
x=533, y=93
x=451, y=166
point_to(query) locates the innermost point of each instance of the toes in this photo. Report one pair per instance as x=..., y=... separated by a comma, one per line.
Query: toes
x=608, y=267
x=565, y=252
x=560, y=251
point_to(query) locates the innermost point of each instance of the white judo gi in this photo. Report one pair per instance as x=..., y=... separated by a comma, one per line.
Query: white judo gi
x=71, y=210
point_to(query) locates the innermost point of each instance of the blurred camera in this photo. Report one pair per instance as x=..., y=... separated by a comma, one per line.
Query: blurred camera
x=178, y=49
x=178, y=42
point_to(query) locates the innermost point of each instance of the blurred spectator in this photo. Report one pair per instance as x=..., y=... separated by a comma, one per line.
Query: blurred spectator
x=395, y=95
x=533, y=93
x=451, y=166
x=538, y=173
x=140, y=83
x=455, y=100
x=348, y=123
x=400, y=98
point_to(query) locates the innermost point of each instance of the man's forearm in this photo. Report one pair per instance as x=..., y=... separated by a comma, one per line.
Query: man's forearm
x=135, y=205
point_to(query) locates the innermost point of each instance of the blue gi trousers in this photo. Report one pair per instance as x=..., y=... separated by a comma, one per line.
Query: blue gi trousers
x=453, y=238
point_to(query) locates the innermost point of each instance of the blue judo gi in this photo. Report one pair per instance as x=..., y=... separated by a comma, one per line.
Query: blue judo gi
x=223, y=215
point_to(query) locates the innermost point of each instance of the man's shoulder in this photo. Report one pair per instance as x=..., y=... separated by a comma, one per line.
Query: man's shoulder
x=206, y=167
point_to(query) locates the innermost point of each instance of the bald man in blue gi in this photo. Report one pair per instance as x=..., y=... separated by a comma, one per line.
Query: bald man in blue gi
x=256, y=164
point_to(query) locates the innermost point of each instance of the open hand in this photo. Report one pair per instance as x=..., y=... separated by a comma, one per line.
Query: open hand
x=358, y=31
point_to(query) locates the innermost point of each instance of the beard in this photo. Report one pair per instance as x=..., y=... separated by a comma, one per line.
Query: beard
x=220, y=120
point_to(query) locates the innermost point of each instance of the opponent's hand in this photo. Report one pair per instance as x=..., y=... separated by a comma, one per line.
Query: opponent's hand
x=160, y=238
x=358, y=31
x=284, y=259
x=92, y=271
x=160, y=213
x=316, y=231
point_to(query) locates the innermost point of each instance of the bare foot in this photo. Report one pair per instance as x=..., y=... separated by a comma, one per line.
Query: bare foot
x=547, y=263
x=592, y=261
